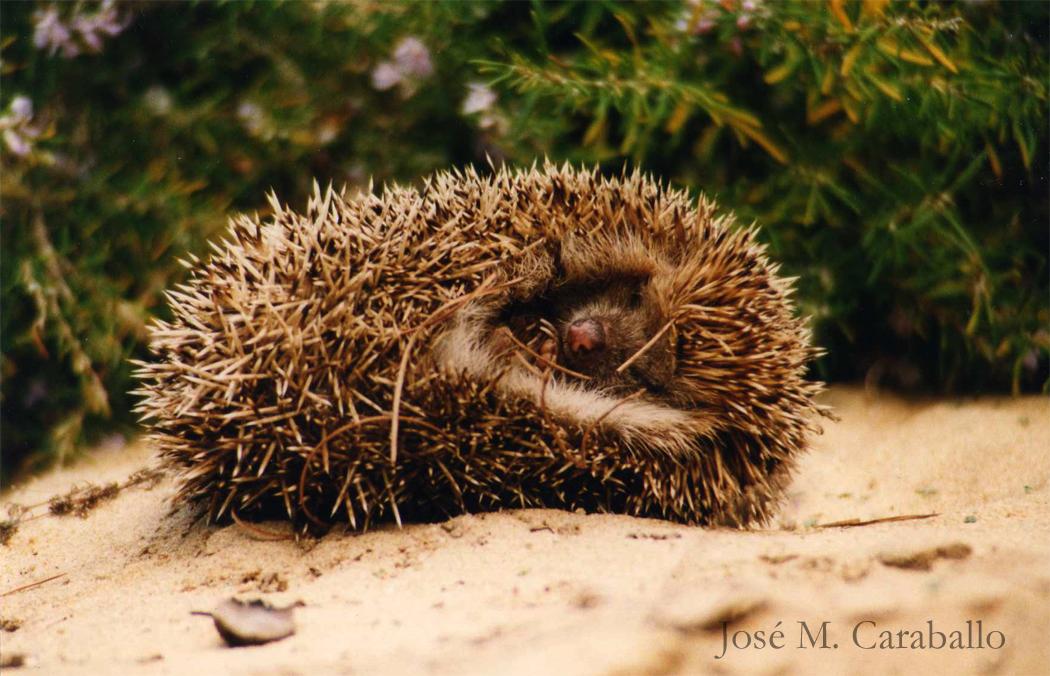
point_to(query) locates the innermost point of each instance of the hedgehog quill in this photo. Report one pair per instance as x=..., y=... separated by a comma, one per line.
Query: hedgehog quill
x=547, y=337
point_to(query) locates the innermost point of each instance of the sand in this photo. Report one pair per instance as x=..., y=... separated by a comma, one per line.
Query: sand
x=543, y=591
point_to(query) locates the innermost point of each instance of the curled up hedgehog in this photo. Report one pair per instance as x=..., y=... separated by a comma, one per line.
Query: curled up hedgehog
x=546, y=337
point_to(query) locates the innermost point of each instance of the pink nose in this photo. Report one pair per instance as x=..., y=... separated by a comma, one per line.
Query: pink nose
x=585, y=335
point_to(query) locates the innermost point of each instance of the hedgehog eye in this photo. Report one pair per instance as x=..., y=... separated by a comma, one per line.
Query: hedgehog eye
x=635, y=300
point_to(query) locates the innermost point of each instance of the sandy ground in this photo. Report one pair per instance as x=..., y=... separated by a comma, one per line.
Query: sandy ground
x=540, y=591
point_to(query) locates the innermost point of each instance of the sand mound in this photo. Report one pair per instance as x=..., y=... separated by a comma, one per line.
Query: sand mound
x=541, y=591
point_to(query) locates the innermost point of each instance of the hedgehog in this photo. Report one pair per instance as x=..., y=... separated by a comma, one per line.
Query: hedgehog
x=545, y=337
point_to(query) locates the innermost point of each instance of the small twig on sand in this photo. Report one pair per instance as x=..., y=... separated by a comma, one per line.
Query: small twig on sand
x=852, y=523
x=265, y=533
x=32, y=584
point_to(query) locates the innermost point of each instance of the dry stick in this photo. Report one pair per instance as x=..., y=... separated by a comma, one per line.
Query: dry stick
x=26, y=508
x=543, y=360
x=393, y=500
x=852, y=523
x=259, y=530
x=645, y=348
x=529, y=366
x=41, y=515
x=75, y=491
x=32, y=584
x=399, y=386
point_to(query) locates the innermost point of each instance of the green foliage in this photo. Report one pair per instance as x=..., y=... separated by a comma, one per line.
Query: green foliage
x=895, y=155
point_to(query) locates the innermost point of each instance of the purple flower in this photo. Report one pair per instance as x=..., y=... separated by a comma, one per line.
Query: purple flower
x=18, y=134
x=411, y=62
x=254, y=119
x=412, y=58
x=479, y=98
x=108, y=21
x=697, y=17
x=16, y=143
x=82, y=30
x=22, y=108
x=104, y=22
x=50, y=33
x=385, y=75
x=86, y=27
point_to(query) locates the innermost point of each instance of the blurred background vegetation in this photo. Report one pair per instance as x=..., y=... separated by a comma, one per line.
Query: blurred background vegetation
x=895, y=155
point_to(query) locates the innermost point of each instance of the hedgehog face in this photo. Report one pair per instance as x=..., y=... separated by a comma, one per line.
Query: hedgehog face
x=603, y=330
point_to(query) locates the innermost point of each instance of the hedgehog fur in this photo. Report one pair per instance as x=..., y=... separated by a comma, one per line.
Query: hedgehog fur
x=367, y=359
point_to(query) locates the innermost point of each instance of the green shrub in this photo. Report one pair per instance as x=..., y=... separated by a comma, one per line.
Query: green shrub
x=894, y=153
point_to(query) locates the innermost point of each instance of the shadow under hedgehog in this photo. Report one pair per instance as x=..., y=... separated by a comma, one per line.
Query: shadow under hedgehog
x=547, y=337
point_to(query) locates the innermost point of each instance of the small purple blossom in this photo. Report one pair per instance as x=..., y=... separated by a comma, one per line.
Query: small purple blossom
x=18, y=133
x=86, y=28
x=248, y=111
x=697, y=18
x=412, y=58
x=411, y=62
x=50, y=33
x=16, y=143
x=81, y=32
x=704, y=26
x=108, y=21
x=252, y=117
x=479, y=99
x=21, y=108
x=385, y=76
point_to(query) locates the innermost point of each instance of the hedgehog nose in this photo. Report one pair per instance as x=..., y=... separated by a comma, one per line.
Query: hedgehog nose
x=584, y=336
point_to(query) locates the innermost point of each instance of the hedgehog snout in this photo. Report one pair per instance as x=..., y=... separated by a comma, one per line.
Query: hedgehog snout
x=585, y=336
x=589, y=344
